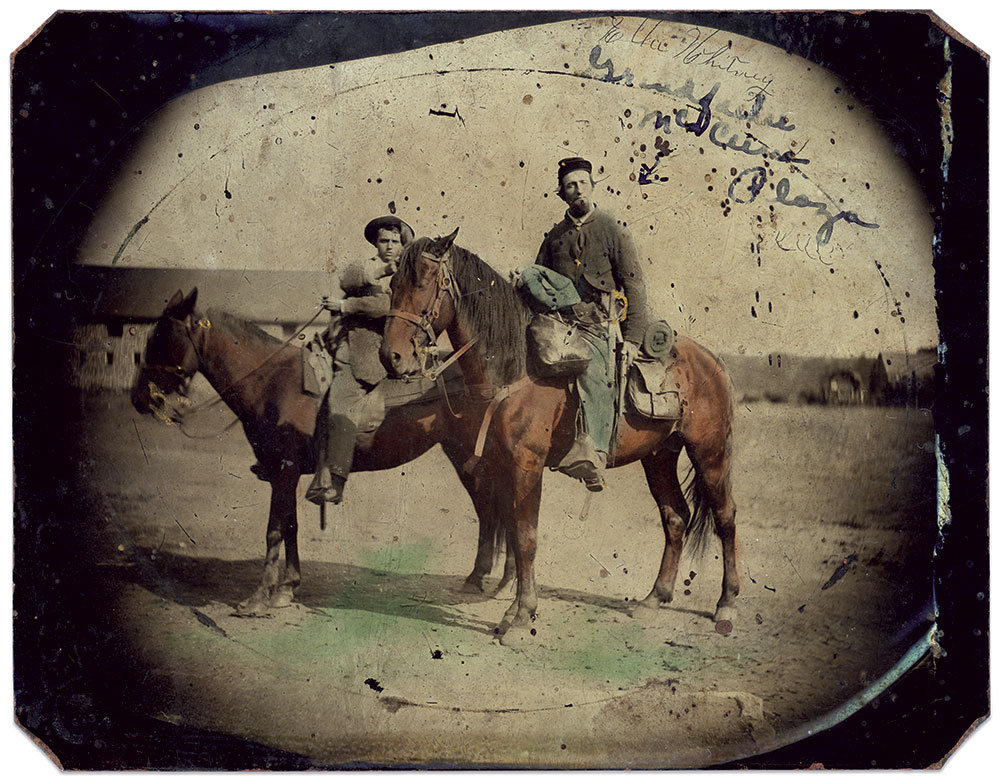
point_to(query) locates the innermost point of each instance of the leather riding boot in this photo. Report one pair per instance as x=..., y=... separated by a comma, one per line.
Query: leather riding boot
x=335, y=464
x=585, y=462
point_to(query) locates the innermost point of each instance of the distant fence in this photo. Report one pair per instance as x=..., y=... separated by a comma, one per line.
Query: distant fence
x=117, y=309
x=887, y=380
x=108, y=357
x=99, y=360
x=101, y=357
x=107, y=352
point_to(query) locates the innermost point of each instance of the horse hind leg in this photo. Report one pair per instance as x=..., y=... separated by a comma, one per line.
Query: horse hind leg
x=661, y=476
x=713, y=495
x=491, y=531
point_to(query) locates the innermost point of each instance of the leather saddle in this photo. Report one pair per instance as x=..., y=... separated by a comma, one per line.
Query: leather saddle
x=317, y=376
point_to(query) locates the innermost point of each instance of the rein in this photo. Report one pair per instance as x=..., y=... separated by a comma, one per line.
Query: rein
x=205, y=323
x=444, y=281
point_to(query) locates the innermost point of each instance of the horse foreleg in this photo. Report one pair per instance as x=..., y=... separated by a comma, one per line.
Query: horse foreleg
x=277, y=583
x=492, y=535
x=258, y=603
x=481, y=492
x=485, y=553
x=661, y=476
x=283, y=505
x=526, y=494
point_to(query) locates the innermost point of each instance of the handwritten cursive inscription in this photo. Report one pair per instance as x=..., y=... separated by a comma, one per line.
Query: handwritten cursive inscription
x=704, y=49
x=743, y=142
x=747, y=185
x=685, y=92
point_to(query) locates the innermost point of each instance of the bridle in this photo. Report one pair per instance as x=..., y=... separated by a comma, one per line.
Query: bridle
x=444, y=282
x=178, y=372
x=428, y=351
x=184, y=375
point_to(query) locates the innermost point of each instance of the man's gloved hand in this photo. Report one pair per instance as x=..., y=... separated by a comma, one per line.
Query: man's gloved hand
x=344, y=306
x=630, y=351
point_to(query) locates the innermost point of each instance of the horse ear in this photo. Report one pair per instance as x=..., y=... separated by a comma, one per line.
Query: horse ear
x=175, y=301
x=189, y=302
x=180, y=307
x=448, y=240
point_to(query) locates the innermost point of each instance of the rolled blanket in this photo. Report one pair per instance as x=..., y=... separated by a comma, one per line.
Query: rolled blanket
x=658, y=340
x=548, y=288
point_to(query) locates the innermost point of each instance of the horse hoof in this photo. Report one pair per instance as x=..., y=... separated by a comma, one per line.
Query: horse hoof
x=256, y=606
x=252, y=608
x=282, y=597
x=724, y=618
x=471, y=586
x=518, y=637
x=645, y=610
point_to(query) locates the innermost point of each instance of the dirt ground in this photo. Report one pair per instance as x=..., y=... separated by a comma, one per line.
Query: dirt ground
x=384, y=660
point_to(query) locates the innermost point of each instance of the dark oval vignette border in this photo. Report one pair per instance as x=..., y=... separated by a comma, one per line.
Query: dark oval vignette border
x=893, y=61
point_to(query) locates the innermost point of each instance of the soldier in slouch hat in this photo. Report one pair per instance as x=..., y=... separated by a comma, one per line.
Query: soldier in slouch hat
x=354, y=339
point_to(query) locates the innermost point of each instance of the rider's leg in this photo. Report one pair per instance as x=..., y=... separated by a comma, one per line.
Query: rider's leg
x=588, y=456
x=337, y=446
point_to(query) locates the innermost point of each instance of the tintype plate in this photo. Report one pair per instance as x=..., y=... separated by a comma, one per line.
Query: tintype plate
x=807, y=196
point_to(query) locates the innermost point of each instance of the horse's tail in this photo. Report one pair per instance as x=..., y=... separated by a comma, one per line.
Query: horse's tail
x=702, y=521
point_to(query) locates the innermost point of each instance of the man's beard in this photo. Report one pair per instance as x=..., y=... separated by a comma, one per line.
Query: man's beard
x=580, y=206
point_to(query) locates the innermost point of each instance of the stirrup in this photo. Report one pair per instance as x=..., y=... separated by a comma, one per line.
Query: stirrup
x=326, y=488
x=332, y=495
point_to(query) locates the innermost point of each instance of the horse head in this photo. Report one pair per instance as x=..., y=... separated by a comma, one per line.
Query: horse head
x=422, y=305
x=171, y=361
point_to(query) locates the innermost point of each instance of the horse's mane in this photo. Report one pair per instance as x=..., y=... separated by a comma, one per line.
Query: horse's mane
x=488, y=307
x=242, y=329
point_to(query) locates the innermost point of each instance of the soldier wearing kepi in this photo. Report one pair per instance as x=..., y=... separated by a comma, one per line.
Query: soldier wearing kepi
x=354, y=339
x=595, y=251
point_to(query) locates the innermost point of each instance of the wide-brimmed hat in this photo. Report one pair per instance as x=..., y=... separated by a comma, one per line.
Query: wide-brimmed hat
x=389, y=221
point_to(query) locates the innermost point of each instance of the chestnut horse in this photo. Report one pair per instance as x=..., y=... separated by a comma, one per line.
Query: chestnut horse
x=530, y=421
x=260, y=378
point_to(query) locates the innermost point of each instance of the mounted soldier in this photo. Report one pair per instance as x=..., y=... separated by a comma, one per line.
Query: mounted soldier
x=353, y=339
x=598, y=255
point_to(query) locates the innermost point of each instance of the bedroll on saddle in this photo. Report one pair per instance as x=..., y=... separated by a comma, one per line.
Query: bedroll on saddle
x=652, y=390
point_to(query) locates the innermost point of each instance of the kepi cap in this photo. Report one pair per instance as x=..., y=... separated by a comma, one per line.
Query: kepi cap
x=570, y=164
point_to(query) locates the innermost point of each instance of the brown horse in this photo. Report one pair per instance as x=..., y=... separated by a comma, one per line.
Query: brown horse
x=441, y=287
x=260, y=378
